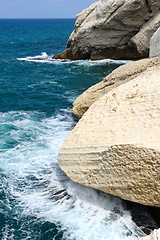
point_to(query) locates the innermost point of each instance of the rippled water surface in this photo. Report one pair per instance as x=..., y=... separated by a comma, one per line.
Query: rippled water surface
x=37, y=200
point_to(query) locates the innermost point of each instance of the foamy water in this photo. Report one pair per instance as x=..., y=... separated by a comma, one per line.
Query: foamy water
x=37, y=200
x=44, y=58
x=41, y=190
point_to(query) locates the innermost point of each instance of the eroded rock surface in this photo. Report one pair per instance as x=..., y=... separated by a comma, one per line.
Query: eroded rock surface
x=119, y=76
x=117, y=29
x=115, y=147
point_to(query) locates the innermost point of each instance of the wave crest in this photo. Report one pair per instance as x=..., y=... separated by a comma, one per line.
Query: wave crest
x=45, y=58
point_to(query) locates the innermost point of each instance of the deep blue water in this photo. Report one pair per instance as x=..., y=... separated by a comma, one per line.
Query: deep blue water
x=37, y=200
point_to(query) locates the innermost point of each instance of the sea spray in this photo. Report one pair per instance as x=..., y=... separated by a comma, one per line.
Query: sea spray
x=42, y=191
x=44, y=58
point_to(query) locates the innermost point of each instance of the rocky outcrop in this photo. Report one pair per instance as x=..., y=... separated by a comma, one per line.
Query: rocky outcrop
x=119, y=76
x=115, y=146
x=155, y=235
x=155, y=44
x=142, y=38
x=117, y=29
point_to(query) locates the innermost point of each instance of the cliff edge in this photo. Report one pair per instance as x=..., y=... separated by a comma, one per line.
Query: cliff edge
x=117, y=29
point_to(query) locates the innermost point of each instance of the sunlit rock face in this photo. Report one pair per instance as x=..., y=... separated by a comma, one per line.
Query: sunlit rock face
x=119, y=76
x=117, y=29
x=115, y=147
x=155, y=44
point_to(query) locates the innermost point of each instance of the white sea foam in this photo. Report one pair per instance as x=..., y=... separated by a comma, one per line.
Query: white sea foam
x=44, y=58
x=44, y=191
x=41, y=57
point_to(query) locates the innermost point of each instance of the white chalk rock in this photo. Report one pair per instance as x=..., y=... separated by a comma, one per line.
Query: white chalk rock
x=115, y=147
x=155, y=44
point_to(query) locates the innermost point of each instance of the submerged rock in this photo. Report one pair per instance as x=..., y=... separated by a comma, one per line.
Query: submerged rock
x=117, y=29
x=115, y=146
x=119, y=76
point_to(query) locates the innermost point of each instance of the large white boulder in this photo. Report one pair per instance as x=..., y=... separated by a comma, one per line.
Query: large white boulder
x=115, y=147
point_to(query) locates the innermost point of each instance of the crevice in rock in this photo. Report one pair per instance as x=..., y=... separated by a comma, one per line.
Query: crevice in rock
x=114, y=13
x=128, y=35
x=148, y=6
x=143, y=216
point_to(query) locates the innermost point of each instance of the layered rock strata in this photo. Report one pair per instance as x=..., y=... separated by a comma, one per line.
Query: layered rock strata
x=115, y=147
x=155, y=44
x=117, y=29
x=119, y=76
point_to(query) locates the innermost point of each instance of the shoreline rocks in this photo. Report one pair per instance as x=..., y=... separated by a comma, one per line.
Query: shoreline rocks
x=119, y=76
x=115, y=146
x=116, y=29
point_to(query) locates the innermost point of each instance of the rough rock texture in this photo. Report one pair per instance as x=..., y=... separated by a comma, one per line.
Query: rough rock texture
x=117, y=29
x=142, y=38
x=155, y=44
x=115, y=147
x=119, y=76
x=155, y=235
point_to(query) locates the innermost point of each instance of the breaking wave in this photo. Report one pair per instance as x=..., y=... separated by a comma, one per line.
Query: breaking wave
x=36, y=191
x=44, y=58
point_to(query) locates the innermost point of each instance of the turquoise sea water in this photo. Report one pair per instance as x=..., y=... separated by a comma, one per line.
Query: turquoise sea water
x=37, y=200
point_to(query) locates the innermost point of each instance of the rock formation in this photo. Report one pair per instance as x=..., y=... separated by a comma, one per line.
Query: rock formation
x=155, y=235
x=119, y=76
x=115, y=146
x=117, y=29
x=155, y=44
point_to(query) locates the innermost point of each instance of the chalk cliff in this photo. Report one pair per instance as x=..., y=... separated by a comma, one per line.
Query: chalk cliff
x=115, y=146
x=119, y=76
x=117, y=29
